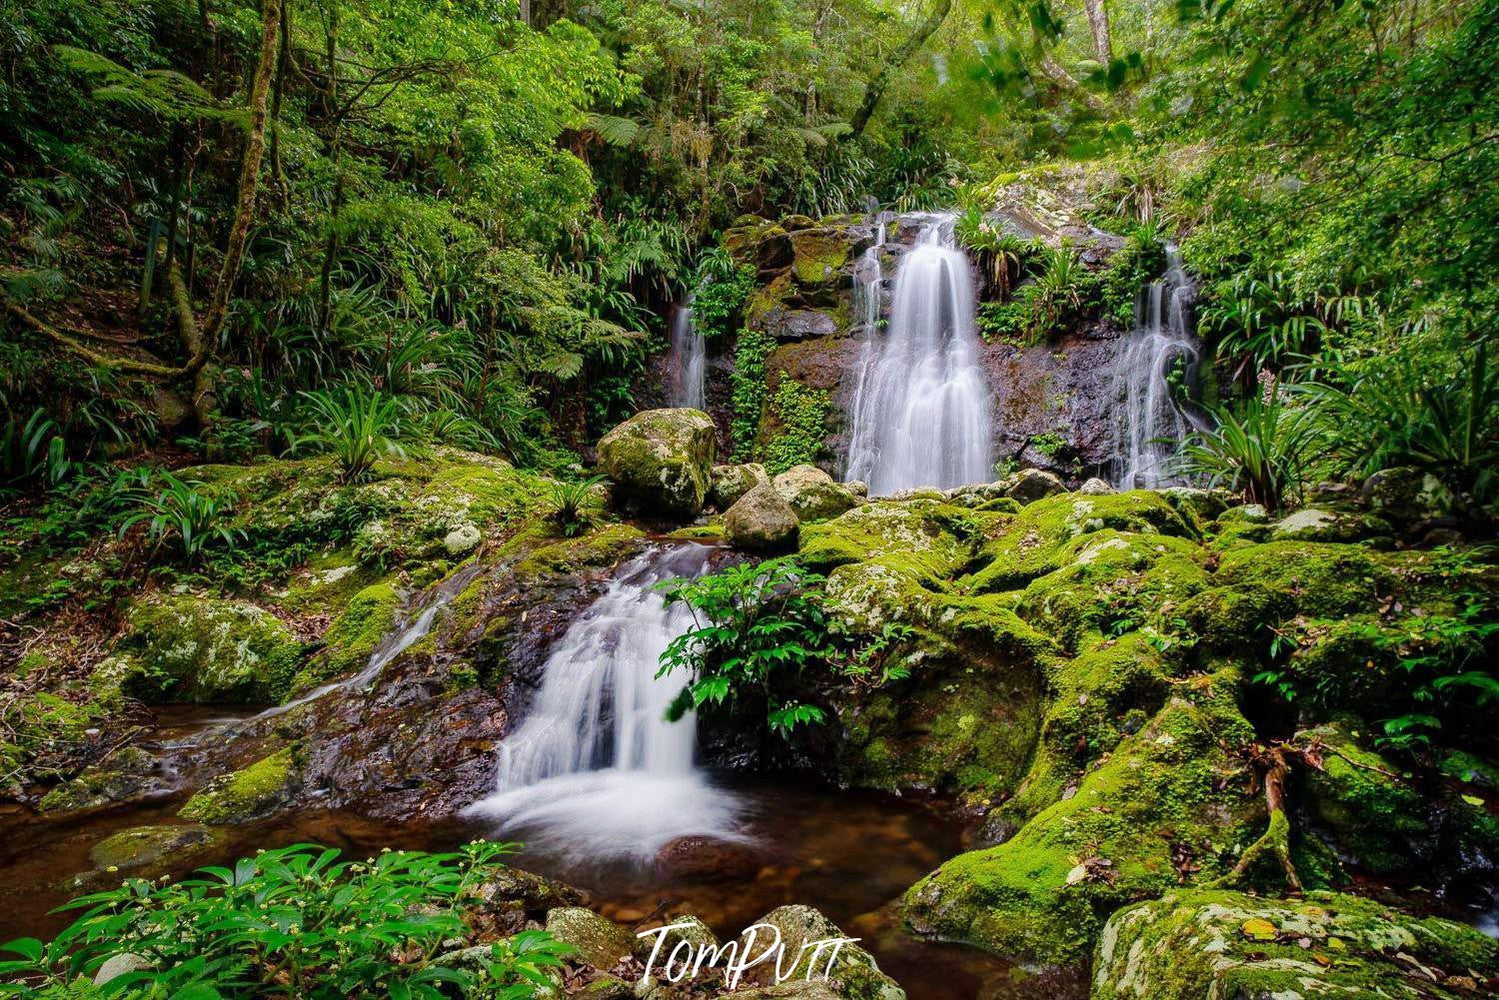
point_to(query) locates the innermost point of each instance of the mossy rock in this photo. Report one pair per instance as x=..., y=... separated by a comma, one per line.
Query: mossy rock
x=820, y=255
x=153, y=848
x=600, y=548
x=207, y=650
x=1036, y=541
x=855, y=970
x=597, y=940
x=123, y=775
x=354, y=635
x=259, y=790
x=813, y=494
x=1168, y=795
x=937, y=539
x=660, y=461
x=1192, y=944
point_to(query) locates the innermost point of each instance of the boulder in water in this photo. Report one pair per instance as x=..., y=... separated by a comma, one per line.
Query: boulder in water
x=711, y=858
x=857, y=975
x=1030, y=485
x=258, y=790
x=660, y=461
x=600, y=942
x=730, y=482
x=1206, y=943
x=762, y=521
x=813, y=494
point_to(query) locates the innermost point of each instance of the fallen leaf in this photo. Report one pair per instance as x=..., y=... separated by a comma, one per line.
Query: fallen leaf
x=1258, y=929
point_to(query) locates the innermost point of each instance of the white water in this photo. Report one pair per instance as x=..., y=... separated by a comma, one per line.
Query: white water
x=921, y=408
x=1150, y=422
x=687, y=363
x=596, y=771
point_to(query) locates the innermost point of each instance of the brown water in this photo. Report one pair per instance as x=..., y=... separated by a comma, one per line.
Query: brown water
x=849, y=854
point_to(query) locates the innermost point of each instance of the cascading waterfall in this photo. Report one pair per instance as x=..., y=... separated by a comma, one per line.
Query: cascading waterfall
x=921, y=408
x=596, y=770
x=688, y=360
x=1157, y=364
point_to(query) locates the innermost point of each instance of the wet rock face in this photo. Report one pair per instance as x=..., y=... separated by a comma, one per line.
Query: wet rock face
x=1206, y=943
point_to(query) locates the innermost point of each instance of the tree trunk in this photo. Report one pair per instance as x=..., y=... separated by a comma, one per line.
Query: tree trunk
x=876, y=88
x=249, y=182
x=1058, y=74
x=1098, y=22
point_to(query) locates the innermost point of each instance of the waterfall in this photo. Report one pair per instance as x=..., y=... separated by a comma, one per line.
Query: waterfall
x=596, y=770
x=1157, y=363
x=688, y=360
x=921, y=407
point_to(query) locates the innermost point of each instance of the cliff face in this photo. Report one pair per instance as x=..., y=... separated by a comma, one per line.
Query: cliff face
x=1052, y=401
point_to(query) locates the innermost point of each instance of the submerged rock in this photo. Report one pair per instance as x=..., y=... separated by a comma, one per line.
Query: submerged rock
x=660, y=461
x=1196, y=944
x=761, y=521
x=150, y=847
x=128, y=773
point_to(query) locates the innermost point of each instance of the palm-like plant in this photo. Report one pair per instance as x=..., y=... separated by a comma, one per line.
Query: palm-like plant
x=576, y=506
x=1260, y=449
x=356, y=426
x=178, y=512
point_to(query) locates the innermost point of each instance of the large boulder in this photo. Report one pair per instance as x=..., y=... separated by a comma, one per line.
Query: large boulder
x=1031, y=485
x=265, y=787
x=813, y=494
x=730, y=482
x=193, y=648
x=1193, y=945
x=661, y=461
x=598, y=941
x=761, y=521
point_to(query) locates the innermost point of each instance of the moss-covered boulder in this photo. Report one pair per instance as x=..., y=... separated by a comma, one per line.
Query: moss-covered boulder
x=1031, y=485
x=813, y=494
x=597, y=940
x=660, y=461
x=248, y=794
x=730, y=482
x=190, y=647
x=152, y=848
x=935, y=538
x=125, y=774
x=854, y=975
x=761, y=521
x=1171, y=802
x=1200, y=944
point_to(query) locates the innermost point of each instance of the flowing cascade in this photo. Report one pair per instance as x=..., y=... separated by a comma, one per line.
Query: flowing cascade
x=921, y=409
x=1157, y=365
x=688, y=360
x=596, y=770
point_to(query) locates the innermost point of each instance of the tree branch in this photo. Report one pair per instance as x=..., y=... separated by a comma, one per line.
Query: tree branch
x=877, y=84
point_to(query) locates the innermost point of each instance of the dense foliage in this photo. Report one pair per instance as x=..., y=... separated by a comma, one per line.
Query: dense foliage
x=297, y=922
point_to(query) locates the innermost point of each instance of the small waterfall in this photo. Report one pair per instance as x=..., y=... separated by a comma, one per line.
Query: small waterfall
x=688, y=360
x=596, y=771
x=1157, y=365
x=921, y=408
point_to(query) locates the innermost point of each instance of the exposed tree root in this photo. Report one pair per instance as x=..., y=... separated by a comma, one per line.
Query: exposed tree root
x=88, y=353
x=1272, y=767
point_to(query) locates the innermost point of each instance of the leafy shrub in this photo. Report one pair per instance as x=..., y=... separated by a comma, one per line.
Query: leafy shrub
x=358, y=427
x=761, y=629
x=1260, y=449
x=178, y=513
x=750, y=352
x=722, y=288
x=576, y=506
x=33, y=451
x=296, y=921
x=803, y=414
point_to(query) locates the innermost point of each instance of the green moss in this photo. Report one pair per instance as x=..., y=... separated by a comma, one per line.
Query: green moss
x=195, y=648
x=803, y=416
x=1195, y=943
x=150, y=847
x=354, y=635
x=935, y=539
x=820, y=253
x=599, y=548
x=114, y=779
x=246, y=794
x=1170, y=792
x=1040, y=538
